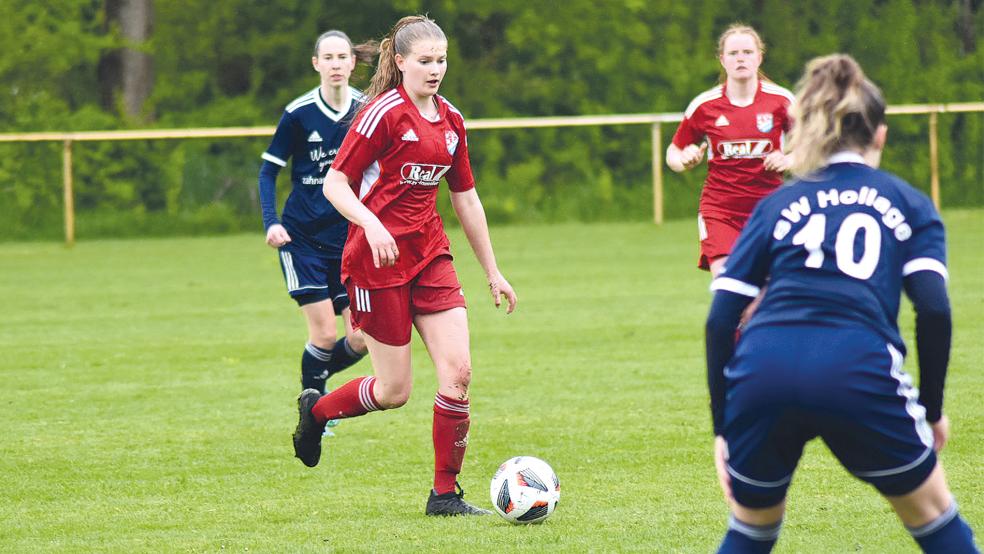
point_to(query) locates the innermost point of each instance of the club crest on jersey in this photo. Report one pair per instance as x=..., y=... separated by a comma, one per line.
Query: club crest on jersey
x=424, y=175
x=763, y=122
x=749, y=148
x=451, y=139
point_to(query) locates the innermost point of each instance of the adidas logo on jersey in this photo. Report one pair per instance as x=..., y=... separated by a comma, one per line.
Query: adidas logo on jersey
x=721, y=121
x=314, y=137
x=410, y=136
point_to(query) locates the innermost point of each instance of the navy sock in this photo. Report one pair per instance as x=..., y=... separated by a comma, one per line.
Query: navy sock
x=947, y=533
x=314, y=367
x=342, y=356
x=753, y=539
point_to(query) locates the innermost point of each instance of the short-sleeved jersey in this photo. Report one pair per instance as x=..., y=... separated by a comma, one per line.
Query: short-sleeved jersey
x=311, y=132
x=395, y=159
x=835, y=248
x=739, y=138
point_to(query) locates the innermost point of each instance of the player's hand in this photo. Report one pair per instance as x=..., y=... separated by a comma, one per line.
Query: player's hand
x=941, y=432
x=777, y=161
x=499, y=287
x=692, y=155
x=721, y=465
x=384, y=250
x=277, y=236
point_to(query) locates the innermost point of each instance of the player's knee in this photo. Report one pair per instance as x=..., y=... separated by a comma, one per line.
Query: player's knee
x=461, y=373
x=357, y=341
x=323, y=338
x=392, y=396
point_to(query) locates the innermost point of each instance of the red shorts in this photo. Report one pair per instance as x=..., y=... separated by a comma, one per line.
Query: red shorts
x=718, y=233
x=387, y=314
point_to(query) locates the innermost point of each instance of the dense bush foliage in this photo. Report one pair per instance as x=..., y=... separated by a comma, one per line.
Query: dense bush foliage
x=238, y=63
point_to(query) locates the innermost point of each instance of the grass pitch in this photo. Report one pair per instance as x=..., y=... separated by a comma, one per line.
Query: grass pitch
x=149, y=389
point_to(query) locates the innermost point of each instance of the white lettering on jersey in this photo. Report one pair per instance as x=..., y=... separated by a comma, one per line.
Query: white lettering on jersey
x=892, y=217
x=425, y=175
x=744, y=148
x=322, y=158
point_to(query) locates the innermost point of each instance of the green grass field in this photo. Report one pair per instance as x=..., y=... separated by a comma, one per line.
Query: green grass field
x=149, y=389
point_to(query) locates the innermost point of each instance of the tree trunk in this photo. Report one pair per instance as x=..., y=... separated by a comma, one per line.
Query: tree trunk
x=965, y=25
x=136, y=19
x=128, y=70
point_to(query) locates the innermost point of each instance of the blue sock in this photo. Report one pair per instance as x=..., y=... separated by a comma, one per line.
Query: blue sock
x=342, y=356
x=314, y=367
x=753, y=539
x=948, y=533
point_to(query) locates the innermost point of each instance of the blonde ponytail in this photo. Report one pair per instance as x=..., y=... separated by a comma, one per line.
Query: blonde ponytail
x=836, y=109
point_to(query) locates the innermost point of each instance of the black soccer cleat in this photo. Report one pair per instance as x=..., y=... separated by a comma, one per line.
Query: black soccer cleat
x=307, y=436
x=451, y=504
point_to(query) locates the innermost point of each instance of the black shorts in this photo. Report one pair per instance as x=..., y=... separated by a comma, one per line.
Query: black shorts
x=312, y=278
x=786, y=386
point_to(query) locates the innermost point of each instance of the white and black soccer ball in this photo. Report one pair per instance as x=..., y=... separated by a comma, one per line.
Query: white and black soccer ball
x=525, y=490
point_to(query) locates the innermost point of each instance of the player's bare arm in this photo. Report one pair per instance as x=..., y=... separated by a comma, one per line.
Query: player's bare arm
x=339, y=193
x=468, y=206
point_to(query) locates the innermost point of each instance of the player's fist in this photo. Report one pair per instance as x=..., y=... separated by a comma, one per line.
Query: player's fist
x=692, y=155
x=277, y=236
x=777, y=161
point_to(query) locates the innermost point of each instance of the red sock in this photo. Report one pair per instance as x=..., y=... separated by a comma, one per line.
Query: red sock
x=352, y=399
x=450, y=440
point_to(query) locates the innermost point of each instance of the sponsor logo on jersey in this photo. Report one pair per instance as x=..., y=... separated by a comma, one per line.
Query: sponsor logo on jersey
x=451, y=139
x=763, y=122
x=322, y=158
x=314, y=137
x=424, y=175
x=309, y=180
x=410, y=136
x=748, y=148
x=721, y=121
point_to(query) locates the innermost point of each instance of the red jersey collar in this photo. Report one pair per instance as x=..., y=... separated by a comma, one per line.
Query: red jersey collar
x=724, y=92
x=442, y=109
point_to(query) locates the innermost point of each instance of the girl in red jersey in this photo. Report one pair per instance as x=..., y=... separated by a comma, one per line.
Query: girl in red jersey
x=740, y=125
x=397, y=262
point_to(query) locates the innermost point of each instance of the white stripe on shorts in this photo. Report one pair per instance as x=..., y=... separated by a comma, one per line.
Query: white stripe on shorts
x=289, y=272
x=756, y=482
x=911, y=395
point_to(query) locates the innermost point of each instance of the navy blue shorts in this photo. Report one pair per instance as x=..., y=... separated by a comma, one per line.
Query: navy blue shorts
x=789, y=385
x=312, y=278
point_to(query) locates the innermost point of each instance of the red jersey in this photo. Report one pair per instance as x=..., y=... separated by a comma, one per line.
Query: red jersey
x=396, y=160
x=739, y=140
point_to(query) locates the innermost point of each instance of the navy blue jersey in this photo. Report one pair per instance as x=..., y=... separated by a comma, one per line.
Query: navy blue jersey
x=310, y=132
x=834, y=249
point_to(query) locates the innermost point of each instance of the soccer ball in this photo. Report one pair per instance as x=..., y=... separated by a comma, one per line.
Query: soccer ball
x=525, y=490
